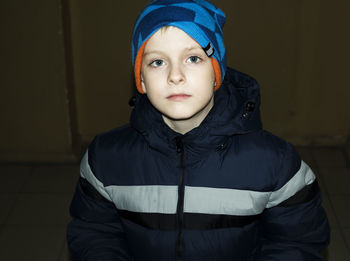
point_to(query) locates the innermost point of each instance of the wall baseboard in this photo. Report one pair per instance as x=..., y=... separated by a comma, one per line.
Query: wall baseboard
x=39, y=158
x=319, y=141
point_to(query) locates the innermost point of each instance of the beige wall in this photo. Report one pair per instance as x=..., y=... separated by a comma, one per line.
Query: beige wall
x=33, y=102
x=323, y=87
x=101, y=35
x=296, y=49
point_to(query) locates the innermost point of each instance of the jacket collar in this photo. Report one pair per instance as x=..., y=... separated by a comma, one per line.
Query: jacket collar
x=235, y=112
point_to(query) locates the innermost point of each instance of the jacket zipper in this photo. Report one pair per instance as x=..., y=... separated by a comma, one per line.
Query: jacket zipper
x=180, y=203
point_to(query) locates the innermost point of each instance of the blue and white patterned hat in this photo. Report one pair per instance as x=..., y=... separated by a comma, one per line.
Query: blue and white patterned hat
x=198, y=18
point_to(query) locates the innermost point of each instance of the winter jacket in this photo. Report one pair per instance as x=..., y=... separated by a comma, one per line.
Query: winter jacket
x=226, y=190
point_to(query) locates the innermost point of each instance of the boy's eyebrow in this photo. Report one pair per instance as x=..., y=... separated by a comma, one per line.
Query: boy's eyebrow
x=190, y=48
x=194, y=47
x=152, y=52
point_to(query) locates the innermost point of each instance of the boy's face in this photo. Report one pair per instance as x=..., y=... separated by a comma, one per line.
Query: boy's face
x=177, y=76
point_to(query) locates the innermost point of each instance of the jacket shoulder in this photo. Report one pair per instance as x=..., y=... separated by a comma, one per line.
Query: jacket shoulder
x=114, y=152
x=276, y=156
x=114, y=137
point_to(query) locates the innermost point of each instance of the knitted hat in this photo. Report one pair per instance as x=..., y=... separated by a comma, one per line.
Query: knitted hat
x=200, y=19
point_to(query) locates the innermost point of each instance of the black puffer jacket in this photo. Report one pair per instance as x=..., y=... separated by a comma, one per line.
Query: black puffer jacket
x=227, y=190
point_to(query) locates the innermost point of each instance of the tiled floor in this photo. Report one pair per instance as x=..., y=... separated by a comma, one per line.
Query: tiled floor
x=34, y=202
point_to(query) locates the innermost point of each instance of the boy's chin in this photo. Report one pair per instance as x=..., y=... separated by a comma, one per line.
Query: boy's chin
x=187, y=115
x=179, y=117
x=183, y=117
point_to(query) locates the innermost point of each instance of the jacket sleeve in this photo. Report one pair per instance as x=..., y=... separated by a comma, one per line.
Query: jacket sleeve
x=95, y=233
x=294, y=224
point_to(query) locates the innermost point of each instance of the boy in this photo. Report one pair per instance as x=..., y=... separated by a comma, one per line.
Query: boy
x=193, y=177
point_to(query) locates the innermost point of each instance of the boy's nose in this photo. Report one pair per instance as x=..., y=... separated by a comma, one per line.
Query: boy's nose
x=176, y=75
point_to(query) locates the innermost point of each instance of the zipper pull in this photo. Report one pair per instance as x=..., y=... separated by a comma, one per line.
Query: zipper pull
x=179, y=145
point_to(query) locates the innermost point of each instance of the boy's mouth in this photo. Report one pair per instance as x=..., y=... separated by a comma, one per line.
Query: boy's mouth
x=178, y=97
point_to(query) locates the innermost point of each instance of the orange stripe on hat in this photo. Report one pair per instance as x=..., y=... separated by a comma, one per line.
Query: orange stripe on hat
x=138, y=65
x=217, y=72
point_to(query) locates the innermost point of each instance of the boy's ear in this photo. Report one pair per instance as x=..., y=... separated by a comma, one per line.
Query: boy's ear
x=143, y=84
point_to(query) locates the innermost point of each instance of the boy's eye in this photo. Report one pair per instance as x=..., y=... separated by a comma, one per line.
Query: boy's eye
x=157, y=63
x=194, y=59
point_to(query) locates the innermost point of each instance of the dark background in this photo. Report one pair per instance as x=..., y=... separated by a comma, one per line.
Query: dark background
x=67, y=75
